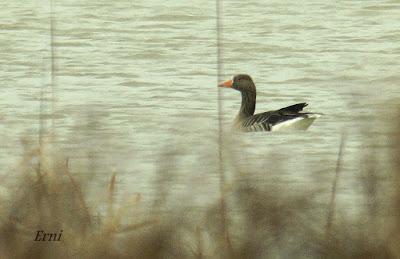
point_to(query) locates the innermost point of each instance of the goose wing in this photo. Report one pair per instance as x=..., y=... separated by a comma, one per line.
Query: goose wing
x=267, y=120
x=295, y=108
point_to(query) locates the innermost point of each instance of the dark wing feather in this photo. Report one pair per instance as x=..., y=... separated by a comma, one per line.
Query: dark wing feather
x=295, y=108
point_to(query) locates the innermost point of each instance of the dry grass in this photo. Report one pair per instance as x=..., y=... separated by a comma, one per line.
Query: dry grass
x=258, y=221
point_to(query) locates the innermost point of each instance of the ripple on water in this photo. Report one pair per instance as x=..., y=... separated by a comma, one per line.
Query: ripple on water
x=132, y=77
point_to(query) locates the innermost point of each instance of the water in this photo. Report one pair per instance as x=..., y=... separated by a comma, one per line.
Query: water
x=136, y=79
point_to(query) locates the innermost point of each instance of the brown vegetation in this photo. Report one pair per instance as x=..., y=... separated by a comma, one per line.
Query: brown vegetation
x=256, y=221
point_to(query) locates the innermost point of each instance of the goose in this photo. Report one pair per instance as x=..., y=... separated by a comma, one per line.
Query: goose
x=287, y=118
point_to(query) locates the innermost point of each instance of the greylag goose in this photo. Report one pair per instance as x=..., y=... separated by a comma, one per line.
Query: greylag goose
x=287, y=118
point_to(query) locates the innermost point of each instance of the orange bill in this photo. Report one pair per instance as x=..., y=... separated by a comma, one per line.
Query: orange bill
x=227, y=84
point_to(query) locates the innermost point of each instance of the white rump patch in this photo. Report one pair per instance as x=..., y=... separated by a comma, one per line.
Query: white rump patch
x=299, y=123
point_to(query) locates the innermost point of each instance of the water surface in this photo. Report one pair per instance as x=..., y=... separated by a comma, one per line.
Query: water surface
x=137, y=79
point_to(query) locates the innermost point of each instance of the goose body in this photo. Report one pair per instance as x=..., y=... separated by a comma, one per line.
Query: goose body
x=287, y=118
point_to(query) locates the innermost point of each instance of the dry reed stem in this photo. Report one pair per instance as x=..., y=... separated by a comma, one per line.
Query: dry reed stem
x=223, y=205
x=137, y=226
x=111, y=192
x=113, y=225
x=224, y=215
x=78, y=191
x=199, y=243
x=331, y=212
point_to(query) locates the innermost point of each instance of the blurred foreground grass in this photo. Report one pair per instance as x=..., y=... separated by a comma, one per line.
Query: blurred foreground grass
x=256, y=220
